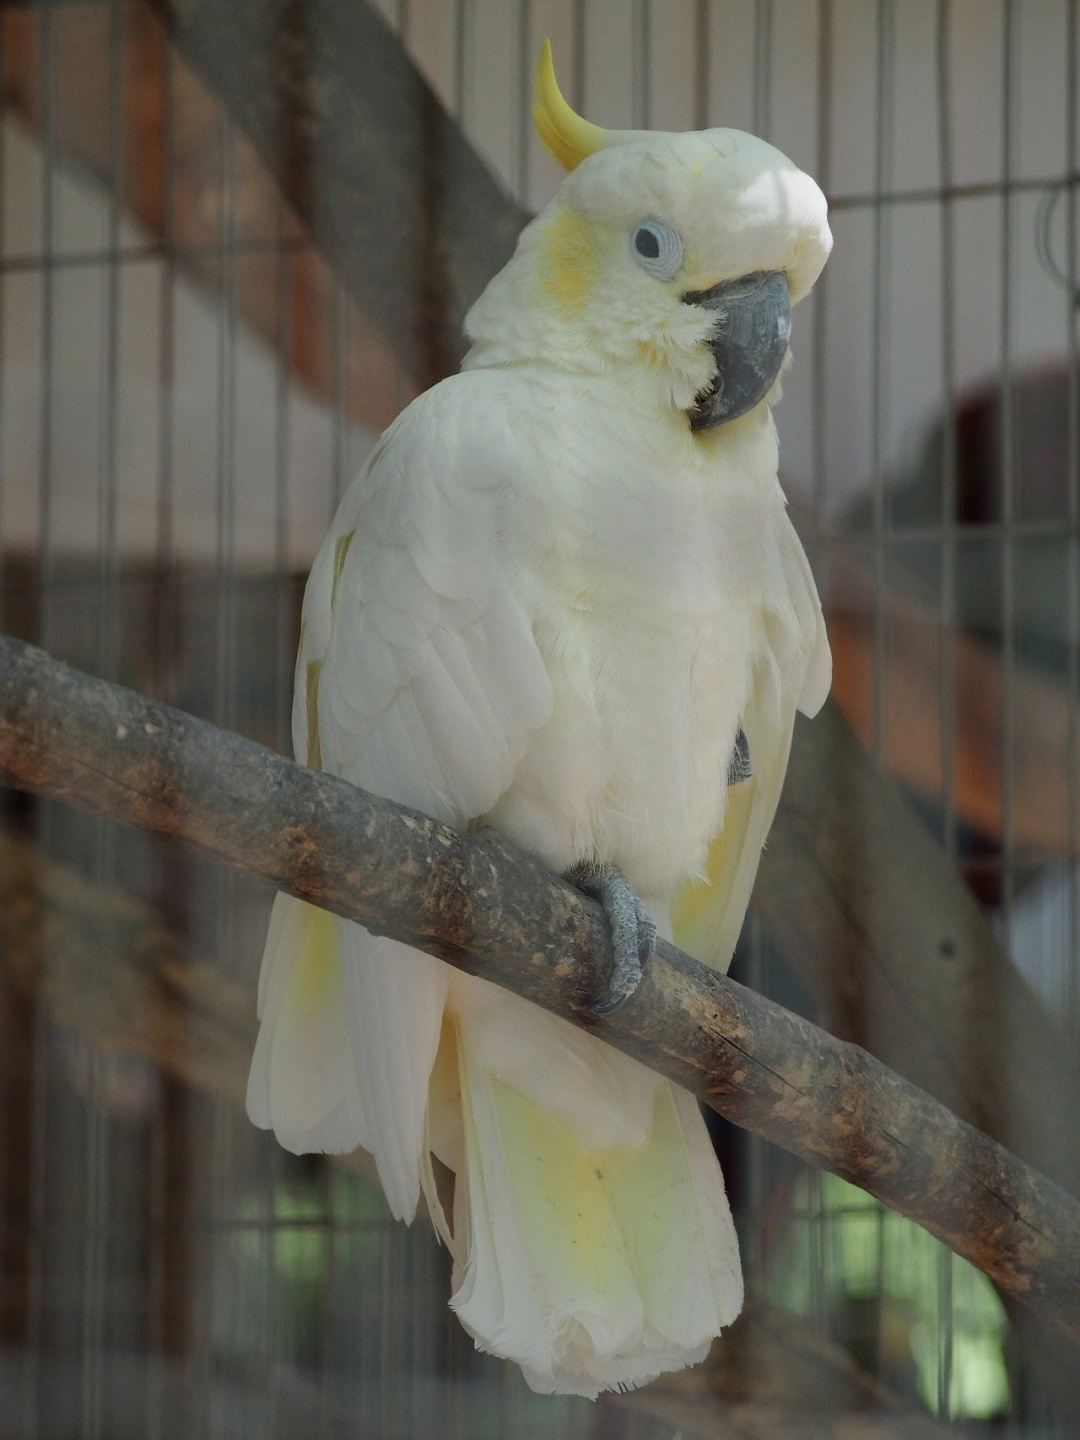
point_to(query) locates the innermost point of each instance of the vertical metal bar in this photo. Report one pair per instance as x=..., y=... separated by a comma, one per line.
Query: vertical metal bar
x=223, y=891
x=108, y=480
x=881, y=263
x=48, y=316
x=819, y=339
x=1007, y=516
x=1008, y=480
x=4, y=82
x=161, y=1276
x=763, y=18
x=32, y=1408
x=949, y=539
x=702, y=60
x=225, y=494
x=327, y=1223
x=338, y=344
x=817, y=1219
x=282, y=561
x=167, y=317
x=95, y=1288
x=641, y=50
x=580, y=103
x=1072, y=534
x=753, y=937
x=460, y=28
x=9, y=1236
x=948, y=612
x=524, y=69
x=879, y=349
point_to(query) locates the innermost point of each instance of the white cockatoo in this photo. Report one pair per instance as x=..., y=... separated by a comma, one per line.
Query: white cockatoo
x=563, y=598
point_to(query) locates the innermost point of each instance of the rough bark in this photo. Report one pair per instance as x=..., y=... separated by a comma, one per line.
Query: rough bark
x=477, y=903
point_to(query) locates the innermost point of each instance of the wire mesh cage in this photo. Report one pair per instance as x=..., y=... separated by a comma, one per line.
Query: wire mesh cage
x=205, y=322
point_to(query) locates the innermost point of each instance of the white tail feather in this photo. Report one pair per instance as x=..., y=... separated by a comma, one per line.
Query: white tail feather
x=593, y=1266
x=303, y=1083
x=350, y=1026
x=592, y=1238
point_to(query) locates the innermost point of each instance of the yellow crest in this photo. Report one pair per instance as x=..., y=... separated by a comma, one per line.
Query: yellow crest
x=568, y=137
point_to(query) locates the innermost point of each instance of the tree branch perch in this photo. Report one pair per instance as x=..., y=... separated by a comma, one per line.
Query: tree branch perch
x=492, y=911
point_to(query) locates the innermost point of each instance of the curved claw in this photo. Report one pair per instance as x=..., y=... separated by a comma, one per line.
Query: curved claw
x=633, y=930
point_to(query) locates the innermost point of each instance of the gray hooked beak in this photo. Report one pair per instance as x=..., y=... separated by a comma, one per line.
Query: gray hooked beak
x=749, y=341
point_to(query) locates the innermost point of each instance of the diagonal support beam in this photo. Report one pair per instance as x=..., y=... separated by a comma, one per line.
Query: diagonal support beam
x=392, y=194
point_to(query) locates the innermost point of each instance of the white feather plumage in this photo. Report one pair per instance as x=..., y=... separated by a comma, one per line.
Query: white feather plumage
x=546, y=604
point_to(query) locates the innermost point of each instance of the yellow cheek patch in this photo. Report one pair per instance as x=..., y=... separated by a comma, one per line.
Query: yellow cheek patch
x=571, y=264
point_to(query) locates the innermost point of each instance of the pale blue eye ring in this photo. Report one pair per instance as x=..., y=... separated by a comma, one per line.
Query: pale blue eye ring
x=657, y=248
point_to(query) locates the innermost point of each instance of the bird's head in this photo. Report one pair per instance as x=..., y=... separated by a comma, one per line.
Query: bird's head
x=679, y=253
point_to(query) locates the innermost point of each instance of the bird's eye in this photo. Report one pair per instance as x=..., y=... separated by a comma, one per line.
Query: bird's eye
x=657, y=248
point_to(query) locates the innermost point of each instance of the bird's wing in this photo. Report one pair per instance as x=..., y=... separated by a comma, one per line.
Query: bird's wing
x=431, y=682
x=793, y=672
x=419, y=680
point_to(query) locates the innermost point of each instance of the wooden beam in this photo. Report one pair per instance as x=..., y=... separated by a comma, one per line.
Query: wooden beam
x=390, y=191
x=932, y=672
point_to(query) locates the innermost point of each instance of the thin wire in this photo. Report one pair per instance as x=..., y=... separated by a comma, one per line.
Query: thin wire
x=108, y=555
x=819, y=1219
x=160, y=1276
x=935, y=194
x=404, y=30
x=3, y=410
x=282, y=391
x=702, y=64
x=151, y=250
x=948, y=616
x=1071, y=959
x=224, y=698
x=8, y=1235
x=641, y=63
x=39, y=1149
x=133, y=252
x=95, y=1287
x=225, y=497
x=460, y=27
x=167, y=321
x=580, y=102
x=880, y=272
x=879, y=349
x=524, y=70
x=329, y=1229
x=763, y=18
x=1037, y=528
x=1007, y=852
x=753, y=936
x=339, y=340
x=819, y=339
x=1008, y=480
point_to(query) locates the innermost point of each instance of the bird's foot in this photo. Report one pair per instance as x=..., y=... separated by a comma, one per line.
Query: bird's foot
x=633, y=930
